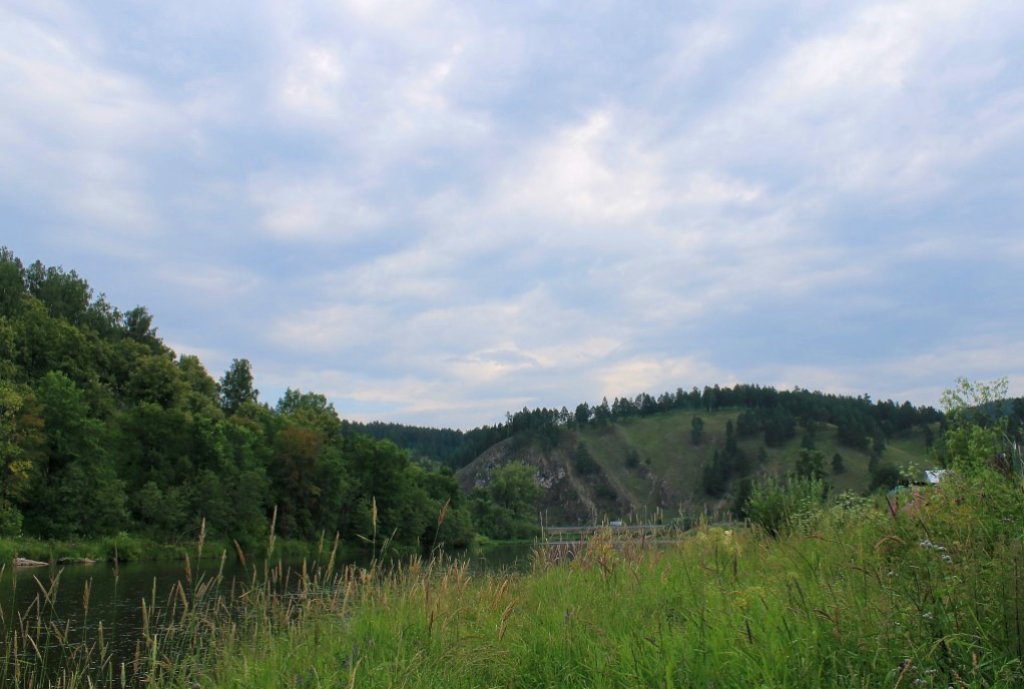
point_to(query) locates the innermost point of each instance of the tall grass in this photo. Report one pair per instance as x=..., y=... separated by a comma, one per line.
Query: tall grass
x=927, y=594
x=181, y=628
x=857, y=596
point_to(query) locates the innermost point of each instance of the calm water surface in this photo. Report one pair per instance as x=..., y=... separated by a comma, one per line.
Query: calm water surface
x=80, y=598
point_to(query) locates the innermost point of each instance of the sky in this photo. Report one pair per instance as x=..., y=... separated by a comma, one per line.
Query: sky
x=437, y=212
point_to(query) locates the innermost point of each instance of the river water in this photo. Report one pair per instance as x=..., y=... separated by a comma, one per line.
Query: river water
x=80, y=602
x=83, y=595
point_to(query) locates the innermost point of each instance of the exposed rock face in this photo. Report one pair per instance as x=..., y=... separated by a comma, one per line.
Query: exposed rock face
x=566, y=499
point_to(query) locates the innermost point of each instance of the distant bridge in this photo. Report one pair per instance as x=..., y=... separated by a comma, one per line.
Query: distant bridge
x=564, y=542
x=615, y=528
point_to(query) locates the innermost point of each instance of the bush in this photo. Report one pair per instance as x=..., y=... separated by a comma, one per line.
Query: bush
x=583, y=462
x=886, y=476
x=632, y=458
x=123, y=548
x=10, y=520
x=778, y=506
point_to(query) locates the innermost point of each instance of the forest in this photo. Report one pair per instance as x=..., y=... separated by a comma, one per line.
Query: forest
x=105, y=430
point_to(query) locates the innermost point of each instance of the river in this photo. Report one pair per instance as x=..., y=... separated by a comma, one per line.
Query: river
x=73, y=606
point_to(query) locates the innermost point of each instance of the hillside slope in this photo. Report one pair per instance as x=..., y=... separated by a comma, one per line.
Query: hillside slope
x=645, y=466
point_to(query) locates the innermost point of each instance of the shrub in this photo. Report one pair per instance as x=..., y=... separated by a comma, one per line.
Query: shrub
x=123, y=548
x=777, y=506
x=886, y=476
x=583, y=462
x=10, y=520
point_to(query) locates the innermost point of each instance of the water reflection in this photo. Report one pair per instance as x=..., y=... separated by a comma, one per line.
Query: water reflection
x=80, y=605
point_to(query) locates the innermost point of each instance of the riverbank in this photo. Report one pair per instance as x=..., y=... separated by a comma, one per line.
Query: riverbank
x=854, y=595
x=125, y=548
x=928, y=593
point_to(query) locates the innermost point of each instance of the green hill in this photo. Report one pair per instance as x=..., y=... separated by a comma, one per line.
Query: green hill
x=640, y=467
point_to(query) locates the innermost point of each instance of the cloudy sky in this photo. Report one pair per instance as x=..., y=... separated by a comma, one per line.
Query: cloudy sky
x=435, y=212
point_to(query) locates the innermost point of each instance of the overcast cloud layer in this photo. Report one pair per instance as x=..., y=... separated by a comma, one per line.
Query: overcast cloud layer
x=436, y=212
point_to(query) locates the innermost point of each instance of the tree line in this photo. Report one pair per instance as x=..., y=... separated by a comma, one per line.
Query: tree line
x=777, y=413
x=104, y=429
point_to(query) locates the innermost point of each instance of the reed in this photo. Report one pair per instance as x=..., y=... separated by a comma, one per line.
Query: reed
x=929, y=594
x=850, y=596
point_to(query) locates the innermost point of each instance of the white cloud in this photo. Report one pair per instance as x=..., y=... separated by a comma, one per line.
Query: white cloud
x=377, y=78
x=919, y=377
x=74, y=132
x=332, y=329
x=405, y=17
x=491, y=365
x=215, y=361
x=655, y=375
x=974, y=358
x=215, y=283
x=867, y=107
x=576, y=352
x=421, y=273
x=414, y=399
x=715, y=189
x=872, y=55
x=591, y=173
x=312, y=207
x=470, y=214
x=313, y=84
x=693, y=46
x=506, y=360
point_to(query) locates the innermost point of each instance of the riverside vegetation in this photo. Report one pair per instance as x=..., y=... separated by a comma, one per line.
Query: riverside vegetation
x=845, y=595
x=112, y=446
x=918, y=589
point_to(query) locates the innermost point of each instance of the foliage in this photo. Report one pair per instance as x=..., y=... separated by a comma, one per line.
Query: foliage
x=715, y=475
x=868, y=599
x=810, y=464
x=236, y=387
x=779, y=506
x=505, y=510
x=696, y=430
x=10, y=520
x=451, y=448
x=838, y=467
x=976, y=434
x=105, y=431
x=925, y=590
x=632, y=460
x=886, y=476
x=583, y=462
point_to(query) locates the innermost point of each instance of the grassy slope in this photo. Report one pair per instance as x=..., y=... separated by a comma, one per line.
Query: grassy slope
x=669, y=475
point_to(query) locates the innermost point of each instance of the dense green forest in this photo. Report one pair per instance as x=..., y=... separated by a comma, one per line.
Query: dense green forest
x=105, y=430
x=451, y=448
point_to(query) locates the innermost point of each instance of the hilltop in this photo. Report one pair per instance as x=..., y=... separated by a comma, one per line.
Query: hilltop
x=637, y=466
